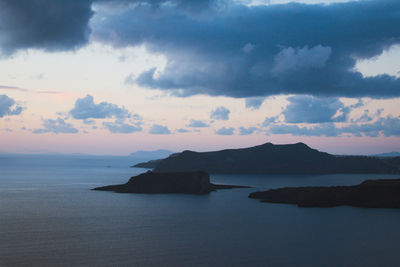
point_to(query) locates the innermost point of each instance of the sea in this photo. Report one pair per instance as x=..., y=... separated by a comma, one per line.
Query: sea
x=49, y=216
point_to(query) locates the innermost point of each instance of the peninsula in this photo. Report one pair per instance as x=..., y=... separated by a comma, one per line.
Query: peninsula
x=197, y=182
x=272, y=159
x=368, y=194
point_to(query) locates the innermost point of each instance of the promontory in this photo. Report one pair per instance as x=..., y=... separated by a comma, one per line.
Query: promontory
x=383, y=193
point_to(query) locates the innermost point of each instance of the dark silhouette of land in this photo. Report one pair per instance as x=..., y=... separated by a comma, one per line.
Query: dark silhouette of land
x=197, y=182
x=272, y=159
x=368, y=194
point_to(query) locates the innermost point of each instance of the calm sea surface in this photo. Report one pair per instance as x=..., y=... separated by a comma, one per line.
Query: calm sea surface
x=50, y=217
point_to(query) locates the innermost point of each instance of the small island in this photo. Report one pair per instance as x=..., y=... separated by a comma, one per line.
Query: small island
x=197, y=182
x=383, y=193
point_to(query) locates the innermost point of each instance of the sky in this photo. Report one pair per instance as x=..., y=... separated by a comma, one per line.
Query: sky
x=117, y=76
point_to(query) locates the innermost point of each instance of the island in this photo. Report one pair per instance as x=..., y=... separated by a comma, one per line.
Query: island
x=197, y=182
x=383, y=193
x=272, y=159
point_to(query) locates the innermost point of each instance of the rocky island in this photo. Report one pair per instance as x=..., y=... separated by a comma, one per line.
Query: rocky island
x=197, y=182
x=272, y=159
x=368, y=194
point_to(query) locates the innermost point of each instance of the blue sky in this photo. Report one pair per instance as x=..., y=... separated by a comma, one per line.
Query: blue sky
x=116, y=76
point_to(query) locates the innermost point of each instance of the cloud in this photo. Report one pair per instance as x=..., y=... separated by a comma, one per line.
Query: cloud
x=197, y=124
x=261, y=50
x=89, y=122
x=254, y=102
x=55, y=126
x=220, y=113
x=247, y=48
x=15, y=88
x=291, y=59
x=367, y=117
x=182, y=130
x=308, y=109
x=246, y=131
x=8, y=107
x=295, y=48
x=121, y=127
x=47, y=24
x=66, y=23
x=326, y=129
x=225, y=131
x=85, y=108
x=269, y=120
x=159, y=129
x=130, y=79
x=389, y=126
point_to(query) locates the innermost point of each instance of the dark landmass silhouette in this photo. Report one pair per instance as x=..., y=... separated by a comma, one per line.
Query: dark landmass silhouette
x=390, y=154
x=197, y=182
x=368, y=194
x=272, y=159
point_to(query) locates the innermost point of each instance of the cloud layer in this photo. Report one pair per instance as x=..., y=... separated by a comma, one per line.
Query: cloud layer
x=223, y=47
x=261, y=50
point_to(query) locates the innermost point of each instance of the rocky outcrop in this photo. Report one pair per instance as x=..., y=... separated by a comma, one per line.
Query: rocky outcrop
x=197, y=182
x=369, y=194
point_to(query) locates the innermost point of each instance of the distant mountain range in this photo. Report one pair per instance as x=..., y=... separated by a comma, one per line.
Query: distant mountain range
x=272, y=159
x=390, y=154
x=149, y=155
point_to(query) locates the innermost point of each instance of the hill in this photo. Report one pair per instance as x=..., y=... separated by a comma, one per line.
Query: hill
x=271, y=159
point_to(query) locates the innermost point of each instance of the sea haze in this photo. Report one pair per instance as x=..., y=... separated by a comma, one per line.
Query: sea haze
x=49, y=216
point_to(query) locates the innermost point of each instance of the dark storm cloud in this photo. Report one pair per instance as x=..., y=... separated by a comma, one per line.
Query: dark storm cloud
x=55, y=25
x=223, y=47
x=51, y=25
x=241, y=51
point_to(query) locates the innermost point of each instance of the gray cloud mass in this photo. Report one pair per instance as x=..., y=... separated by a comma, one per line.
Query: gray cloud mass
x=295, y=48
x=121, y=127
x=85, y=108
x=56, y=126
x=8, y=106
x=225, y=131
x=197, y=124
x=159, y=129
x=220, y=113
x=308, y=109
x=223, y=47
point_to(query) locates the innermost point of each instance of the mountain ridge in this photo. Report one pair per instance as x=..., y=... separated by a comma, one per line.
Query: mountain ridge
x=268, y=158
